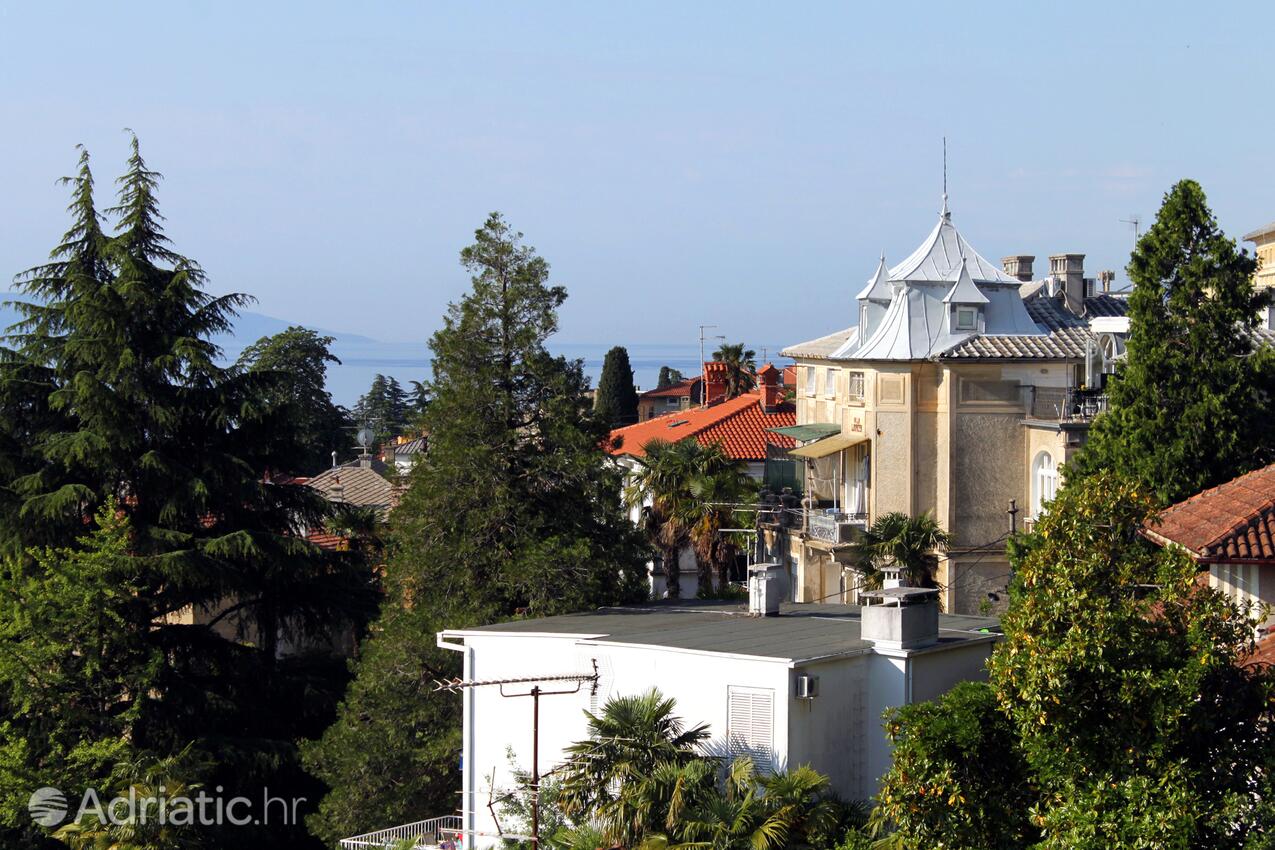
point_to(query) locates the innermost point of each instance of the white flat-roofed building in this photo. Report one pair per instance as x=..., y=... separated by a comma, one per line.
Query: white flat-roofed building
x=807, y=686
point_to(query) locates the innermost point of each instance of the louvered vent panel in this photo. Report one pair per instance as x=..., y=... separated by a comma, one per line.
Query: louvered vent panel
x=750, y=719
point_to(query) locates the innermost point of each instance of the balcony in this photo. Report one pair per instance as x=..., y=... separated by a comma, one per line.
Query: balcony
x=426, y=835
x=835, y=527
x=1066, y=405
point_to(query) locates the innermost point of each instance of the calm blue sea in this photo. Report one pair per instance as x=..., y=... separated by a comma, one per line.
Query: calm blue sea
x=362, y=360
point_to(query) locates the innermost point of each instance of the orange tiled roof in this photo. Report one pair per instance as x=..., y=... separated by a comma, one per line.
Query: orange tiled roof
x=740, y=425
x=681, y=388
x=1234, y=521
x=324, y=540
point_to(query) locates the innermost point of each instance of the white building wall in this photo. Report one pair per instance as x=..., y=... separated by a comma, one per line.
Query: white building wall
x=839, y=732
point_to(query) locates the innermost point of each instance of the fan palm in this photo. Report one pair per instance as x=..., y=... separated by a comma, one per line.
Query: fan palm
x=661, y=485
x=620, y=773
x=720, y=483
x=741, y=367
x=908, y=544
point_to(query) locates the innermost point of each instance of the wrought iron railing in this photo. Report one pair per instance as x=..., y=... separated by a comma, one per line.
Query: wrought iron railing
x=836, y=528
x=1070, y=405
x=427, y=834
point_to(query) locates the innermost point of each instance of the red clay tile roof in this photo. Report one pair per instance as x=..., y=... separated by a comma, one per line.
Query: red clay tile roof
x=323, y=540
x=681, y=388
x=1262, y=655
x=740, y=425
x=1232, y=522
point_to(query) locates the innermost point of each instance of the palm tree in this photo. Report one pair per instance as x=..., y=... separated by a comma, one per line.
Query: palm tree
x=756, y=812
x=720, y=482
x=908, y=544
x=147, y=778
x=741, y=367
x=613, y=776
x=661, y=487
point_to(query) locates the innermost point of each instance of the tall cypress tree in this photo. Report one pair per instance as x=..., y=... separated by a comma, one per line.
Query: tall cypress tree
x=513, y=509
x=113, y=392
x=1192, y=403
x=617, y=400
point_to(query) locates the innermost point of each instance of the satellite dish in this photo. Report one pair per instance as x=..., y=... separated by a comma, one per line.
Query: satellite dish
x=365, y=436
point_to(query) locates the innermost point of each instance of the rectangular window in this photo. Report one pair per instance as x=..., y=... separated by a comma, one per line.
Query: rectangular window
x=810, y=381
x=856, y=385
x=966, y=318
x=829, y=382
x=750, y=719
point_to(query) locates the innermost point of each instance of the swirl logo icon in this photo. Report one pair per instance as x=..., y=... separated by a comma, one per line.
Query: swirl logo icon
x=47, y=807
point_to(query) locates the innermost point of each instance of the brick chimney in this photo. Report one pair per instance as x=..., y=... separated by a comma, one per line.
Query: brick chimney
x=715, y=386
x=1019, y=266
x=772, y=392
x=1069, y=271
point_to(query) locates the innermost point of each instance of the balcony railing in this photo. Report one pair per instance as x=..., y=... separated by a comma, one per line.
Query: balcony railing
x=1068, y=405
x=427, y=834
x=836, y=527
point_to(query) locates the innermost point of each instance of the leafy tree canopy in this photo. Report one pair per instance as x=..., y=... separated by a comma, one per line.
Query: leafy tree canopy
x=668, y=377
x=112, y=397
x=1191, y=404
x=513, y=511
x=1122, y=686
x=298, y=359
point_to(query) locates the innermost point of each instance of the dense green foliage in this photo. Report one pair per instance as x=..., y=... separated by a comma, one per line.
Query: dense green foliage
x=297, y=360
x=668, y=377
x=741, y=367
x=641, y=780
x=1122, y=682
x=387, y=408
x=1191, y=405
x=957, y=779
x=512, y=511
x=112, y=391
x=685, y=491
x=910, y=545
x=616, y=400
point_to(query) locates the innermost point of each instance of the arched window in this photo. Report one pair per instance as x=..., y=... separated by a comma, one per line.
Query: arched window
x=1044, y=482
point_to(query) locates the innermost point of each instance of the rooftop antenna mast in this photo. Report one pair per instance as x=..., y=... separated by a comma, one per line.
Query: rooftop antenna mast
x=945, y=209
x=536, y=692
x=1135, y=222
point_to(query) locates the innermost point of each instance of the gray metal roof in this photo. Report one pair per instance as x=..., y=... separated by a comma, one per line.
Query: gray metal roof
x=802, y=632
x=821, y=348
x=939, y=257
x=1254, y=235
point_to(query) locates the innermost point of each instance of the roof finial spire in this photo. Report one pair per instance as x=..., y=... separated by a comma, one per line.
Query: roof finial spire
x=946, y=212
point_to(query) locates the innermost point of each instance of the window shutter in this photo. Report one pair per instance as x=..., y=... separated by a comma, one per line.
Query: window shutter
x=750, y=724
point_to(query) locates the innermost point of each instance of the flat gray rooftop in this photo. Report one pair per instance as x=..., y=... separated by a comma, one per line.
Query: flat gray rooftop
x=801, y=632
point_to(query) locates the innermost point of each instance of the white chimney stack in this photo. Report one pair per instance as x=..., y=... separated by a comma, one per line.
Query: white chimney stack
x=765, y=589
x=900, y=617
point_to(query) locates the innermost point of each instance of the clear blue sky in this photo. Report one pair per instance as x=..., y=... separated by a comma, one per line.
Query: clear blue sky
x=734, y=163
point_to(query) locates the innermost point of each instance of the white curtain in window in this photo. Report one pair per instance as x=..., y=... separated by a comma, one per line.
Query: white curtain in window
x=1044, y=484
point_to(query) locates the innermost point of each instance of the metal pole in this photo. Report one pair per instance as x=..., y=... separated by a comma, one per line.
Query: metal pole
x=535, y=765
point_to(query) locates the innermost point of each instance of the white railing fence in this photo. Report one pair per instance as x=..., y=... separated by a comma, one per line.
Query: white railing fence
x=427, y=834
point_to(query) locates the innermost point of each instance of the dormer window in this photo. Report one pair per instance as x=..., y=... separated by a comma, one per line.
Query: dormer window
x=966, y=318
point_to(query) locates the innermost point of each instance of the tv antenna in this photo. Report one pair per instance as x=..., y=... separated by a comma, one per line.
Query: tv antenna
x=703, y=369
x=536, y=692
x=1135, y=222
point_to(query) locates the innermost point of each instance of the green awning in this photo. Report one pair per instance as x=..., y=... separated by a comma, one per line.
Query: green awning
x=813, y=431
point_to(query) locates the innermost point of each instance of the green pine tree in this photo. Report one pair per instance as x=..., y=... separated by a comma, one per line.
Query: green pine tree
x=616, y=400
x=668, y=377
x=384, y=408
x=513, y=510
x=1191, y=404
x=297, y=360
x=112, y=390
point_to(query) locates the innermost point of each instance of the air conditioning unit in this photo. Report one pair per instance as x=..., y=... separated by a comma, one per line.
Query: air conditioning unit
x=807, y=687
